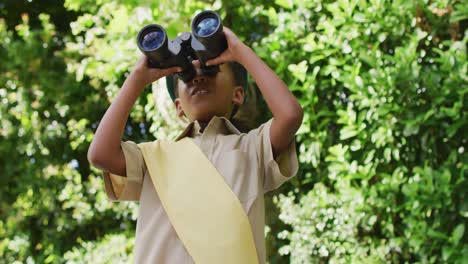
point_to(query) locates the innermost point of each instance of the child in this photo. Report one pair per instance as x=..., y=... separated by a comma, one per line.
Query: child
x=250, y=164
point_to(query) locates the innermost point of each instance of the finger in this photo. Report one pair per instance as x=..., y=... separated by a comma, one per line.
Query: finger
x=229, y=33
x=143, y=61
x=140, y=63
x=226, y=29
x=167, y=71
x=218, y=60
x=172, y=70
x=196, y=63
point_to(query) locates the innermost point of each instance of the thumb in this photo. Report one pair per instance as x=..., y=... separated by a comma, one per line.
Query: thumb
x=196, y=63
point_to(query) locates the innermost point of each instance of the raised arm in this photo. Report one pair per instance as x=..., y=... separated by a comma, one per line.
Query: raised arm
x=286, y=110
x=105, y=152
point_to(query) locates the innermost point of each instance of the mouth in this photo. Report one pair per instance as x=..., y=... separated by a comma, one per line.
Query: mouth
x=198, y=91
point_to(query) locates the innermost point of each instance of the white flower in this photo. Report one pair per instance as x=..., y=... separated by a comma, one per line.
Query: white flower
x=323, y=251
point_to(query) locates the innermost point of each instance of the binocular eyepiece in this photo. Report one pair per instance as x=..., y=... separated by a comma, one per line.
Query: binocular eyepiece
x=206, y=42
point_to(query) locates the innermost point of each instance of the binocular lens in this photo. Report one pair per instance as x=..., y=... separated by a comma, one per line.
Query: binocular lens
x=153, y=40
x=207, y=26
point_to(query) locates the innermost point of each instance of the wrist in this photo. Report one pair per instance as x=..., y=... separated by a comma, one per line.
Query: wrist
x=137, y=79
x=242, y=53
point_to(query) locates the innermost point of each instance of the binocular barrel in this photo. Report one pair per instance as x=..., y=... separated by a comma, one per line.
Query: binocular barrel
x=152, y=40
x=206, y=41
x=207, y=29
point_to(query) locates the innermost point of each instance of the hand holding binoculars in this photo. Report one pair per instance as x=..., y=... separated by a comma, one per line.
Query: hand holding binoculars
x=206, y=42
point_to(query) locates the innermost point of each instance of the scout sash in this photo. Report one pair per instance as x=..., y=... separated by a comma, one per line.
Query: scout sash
x=205, y=213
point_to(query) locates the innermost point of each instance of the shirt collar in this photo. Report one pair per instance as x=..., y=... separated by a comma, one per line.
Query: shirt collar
x=217, y=125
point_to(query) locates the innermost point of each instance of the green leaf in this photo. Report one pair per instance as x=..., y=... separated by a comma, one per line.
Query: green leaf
x=457, y=234
x=288, y=4
x=120, y=22
x=299, y=70
x=347, y=132
x=447, y=252
x=460, y=13
x=411, y=128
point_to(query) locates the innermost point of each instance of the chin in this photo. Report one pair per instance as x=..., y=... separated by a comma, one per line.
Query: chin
x=204, y=111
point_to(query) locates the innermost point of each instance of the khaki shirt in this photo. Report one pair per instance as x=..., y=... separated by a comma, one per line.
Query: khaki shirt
x=246, y=162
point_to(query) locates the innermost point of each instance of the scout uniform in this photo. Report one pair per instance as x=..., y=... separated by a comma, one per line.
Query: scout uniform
x=243, y=169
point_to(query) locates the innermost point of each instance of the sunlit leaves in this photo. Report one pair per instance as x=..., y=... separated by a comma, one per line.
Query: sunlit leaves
x=381, y=86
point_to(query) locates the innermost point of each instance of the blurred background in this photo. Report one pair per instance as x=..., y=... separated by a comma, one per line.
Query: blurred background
x=382, y=148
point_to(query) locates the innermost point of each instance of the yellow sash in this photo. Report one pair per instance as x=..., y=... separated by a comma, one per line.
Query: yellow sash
x=205, y=213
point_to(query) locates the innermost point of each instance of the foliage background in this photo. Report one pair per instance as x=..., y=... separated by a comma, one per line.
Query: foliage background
x=383, y=173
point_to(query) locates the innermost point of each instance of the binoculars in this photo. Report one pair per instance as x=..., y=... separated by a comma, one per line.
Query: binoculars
x=206, y=41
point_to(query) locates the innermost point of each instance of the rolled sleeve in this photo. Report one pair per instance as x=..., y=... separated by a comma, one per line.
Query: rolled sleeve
x=121, y=188
x=275, y=171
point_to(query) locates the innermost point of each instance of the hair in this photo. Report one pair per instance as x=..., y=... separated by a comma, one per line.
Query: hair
x=245, y=116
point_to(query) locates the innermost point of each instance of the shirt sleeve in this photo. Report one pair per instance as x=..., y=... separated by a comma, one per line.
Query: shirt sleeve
x=273, y=172
x=121, y=188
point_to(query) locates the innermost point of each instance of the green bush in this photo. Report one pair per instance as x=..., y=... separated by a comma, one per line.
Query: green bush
x=384, y=87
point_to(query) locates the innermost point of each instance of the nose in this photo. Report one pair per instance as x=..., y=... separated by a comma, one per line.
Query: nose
x=199, y=77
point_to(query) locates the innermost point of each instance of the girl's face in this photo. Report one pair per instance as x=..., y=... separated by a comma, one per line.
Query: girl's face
x=207, y=96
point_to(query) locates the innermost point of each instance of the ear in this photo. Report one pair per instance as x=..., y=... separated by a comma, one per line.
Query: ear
x=238, y=95
x=178, y=105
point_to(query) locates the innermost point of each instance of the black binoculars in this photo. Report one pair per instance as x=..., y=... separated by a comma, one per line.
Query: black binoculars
x=206, y=41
